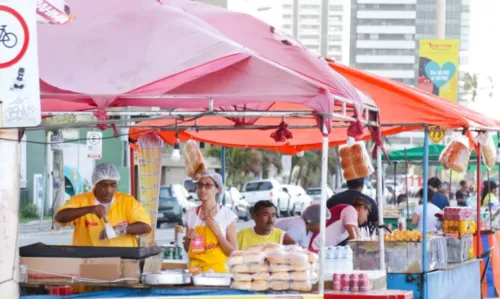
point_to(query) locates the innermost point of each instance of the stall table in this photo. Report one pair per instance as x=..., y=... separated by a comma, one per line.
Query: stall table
x=388, y=294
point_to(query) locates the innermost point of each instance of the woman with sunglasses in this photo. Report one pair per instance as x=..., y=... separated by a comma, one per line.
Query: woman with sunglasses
x=211, y=227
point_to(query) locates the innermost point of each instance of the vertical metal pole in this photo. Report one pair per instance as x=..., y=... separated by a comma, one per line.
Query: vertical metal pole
x=380, y=204
x=322, y=234
x=394, y=190
x=424, y=214
x=133, y=182
x=325, y=7
x=440, y=19
x=478, y=204
x=9, y=214
x=449, y=186
x=223, y=164
x=407, y=194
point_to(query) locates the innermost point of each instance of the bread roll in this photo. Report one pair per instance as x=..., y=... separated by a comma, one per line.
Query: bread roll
x=272, y=248
x=346, y=163
x=362, y=170
x=313, y=257
x=294, y=248
x=254, y=249
x=276, y=258
x=256, y=268
x=489, y=156
x=280, y=276
x=279, y=268
x=236, y=258
x=261, y=276
x=253, y=258
x=240, y=269
x=303, y=286
x=260, y=286
x=242, y=285
x=297, y=259
x=344, y=152
x=242, y=277
x=300, y=267
x=349, y=174
x=358, y=160
x=279, y=285
x=300, y=276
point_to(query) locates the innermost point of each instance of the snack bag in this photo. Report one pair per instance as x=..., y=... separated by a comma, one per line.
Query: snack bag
x=355, y=160
x=456, y=155
x=193, y=160
x=488, y=149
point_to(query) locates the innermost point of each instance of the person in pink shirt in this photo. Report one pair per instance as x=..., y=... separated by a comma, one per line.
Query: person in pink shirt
x=343, y=223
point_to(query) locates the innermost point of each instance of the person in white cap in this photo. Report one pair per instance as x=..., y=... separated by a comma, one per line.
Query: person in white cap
x=211, y=227
x=89, y=212
x=301, y=228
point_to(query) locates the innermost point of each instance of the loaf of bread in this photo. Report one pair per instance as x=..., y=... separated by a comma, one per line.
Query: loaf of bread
x=455, y=156
x=242, y=285
x=300, y=276
x=256, y=268
x=280, y=276
x=302, y=286
x=236, y=258
x=488, y=149
x=193, y=159
x=261, y=276
x=241, y=269
x=355, y=161
x=242, y=277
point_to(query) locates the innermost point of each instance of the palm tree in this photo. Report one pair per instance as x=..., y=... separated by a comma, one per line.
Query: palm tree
x=271, y=158
x=471, y=85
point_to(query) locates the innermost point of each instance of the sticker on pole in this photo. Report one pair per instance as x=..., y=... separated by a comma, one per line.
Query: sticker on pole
x=436, y=133
x=94, y=145
x=19, y=79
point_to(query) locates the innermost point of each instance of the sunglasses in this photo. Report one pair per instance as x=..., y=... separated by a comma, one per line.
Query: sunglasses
x=207, y=186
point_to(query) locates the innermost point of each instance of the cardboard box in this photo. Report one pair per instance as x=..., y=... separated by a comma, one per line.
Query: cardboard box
x=63, y=270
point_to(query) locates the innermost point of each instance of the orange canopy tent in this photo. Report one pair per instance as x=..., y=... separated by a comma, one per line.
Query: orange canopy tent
x=402, y=108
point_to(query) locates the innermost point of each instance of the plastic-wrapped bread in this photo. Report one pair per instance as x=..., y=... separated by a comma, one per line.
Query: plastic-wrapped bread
x=259, y=286
x=300, y=276
x=313, y=257
x=456, y=155
x=280, y=276
x=355, y=160
x=242, y=285
x=254, y=258
x=240, y=269
x=302, y=286
x=242, y=277
x=488, y=149
x=261, y=276
x=193, y=159
x=272, y=248
x=297, y=259
x=256, y=268
x=279, y=285
x=236, y=258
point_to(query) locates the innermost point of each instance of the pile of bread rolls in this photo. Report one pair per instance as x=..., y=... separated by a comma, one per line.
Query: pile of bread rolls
x=456, y=155
x=355, y=161
x=273, y=267
x=404, y=236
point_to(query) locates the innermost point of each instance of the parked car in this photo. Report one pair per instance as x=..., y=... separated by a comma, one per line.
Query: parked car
x=237, y=203
x=367, y=190
x=173, y=202
x=267, y=190
x=299, y=199
x=315, y=194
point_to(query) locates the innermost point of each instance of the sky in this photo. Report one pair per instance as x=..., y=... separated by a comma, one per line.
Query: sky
x=484, y=57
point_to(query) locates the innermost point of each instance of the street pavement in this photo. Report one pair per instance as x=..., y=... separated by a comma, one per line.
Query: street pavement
x=31, y=233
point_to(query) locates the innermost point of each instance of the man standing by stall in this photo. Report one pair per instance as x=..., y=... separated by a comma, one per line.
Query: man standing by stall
x=89, y=212
x=462, y=194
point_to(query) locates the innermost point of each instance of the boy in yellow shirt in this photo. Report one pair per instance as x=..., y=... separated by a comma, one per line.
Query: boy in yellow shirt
x=87, y=212
x=264, y=232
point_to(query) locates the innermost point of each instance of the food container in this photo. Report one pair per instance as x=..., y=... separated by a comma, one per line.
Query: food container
x=212, y=280
x=458, y=249
x=167, y=278
x=458, y=213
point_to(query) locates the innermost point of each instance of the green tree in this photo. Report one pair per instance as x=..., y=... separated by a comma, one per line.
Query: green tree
x=269, y=159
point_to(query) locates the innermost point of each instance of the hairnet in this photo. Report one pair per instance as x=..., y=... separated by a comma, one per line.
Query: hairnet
x=217, y=178
x=105, y=171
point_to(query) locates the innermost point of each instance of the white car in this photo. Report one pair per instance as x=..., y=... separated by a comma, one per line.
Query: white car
x=237, y=203
x=299, y=199
x=271, y=190
x=315, y=194
x=183, y=197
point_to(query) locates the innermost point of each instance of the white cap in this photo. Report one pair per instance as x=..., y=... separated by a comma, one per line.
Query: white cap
x=105, y=171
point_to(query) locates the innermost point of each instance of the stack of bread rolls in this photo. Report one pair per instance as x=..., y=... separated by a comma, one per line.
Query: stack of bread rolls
x=488, y=149
x=193, y=160
x=455, y=156
x=355, y=161
x=273, y=267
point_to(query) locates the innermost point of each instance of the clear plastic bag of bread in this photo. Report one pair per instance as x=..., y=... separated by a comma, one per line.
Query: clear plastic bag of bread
x=355, y=160
x=288, y=258
x=456, y=155
x=193, y=160
x=242, y=285
x=488, y=149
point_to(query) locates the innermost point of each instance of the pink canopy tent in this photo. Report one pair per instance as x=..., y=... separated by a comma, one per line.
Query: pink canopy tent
x=181, y=54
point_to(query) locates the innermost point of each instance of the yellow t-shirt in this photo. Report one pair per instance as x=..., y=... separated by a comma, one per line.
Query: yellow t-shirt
x=248, y=238
x=123, y=209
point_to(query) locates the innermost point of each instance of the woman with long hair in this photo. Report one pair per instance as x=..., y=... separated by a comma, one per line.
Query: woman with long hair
x=211, y=227
x=488, y=195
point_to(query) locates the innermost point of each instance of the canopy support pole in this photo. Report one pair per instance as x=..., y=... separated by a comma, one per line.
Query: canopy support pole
x=407, y=193
x=322, y=233
x=9, y=214
x=380, y=204
x=424, y=214
x=478, y=205
x=223, y=166
x=133, y=185
x=394, y=190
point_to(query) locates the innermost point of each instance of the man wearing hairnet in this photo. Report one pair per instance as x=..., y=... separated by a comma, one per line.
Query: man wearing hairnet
x=88, y=212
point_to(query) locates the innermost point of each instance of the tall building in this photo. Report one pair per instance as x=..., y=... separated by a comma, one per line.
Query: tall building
x=302, y=19
x=384, y=40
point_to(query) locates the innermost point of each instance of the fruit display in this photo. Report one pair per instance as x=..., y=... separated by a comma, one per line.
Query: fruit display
x=404, y=236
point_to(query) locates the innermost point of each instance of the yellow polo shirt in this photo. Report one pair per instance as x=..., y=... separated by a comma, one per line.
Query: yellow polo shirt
x=123, y=209
x=248, y=238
